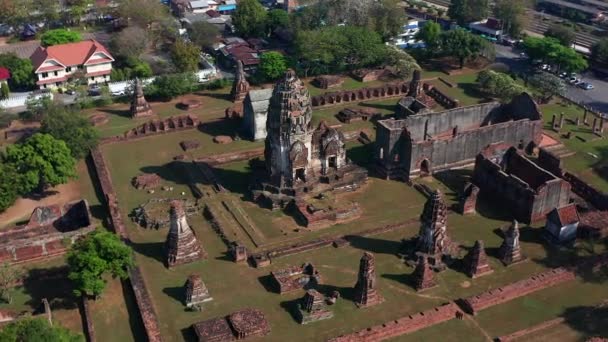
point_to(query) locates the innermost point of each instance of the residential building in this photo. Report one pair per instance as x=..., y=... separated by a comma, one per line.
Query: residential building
x=54, y=65
x=5, y=74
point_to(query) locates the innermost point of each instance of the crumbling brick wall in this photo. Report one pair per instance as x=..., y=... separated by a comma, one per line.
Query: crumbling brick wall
x=219, y=159
x=88, y=320
x=155, y=127
x=587, y=191
x=440, y=97
x=346, y=96
x=403, y=325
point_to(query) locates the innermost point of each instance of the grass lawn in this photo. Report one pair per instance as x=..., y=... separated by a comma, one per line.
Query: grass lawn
x=465, y=90
x=349, y=84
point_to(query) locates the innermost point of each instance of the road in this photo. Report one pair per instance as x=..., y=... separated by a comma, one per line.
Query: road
x=595, y=98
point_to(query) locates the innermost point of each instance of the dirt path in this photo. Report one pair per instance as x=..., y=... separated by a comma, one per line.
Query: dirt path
x=23, y=207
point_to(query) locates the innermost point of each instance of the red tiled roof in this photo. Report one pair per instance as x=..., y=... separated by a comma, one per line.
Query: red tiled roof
x=98, y=73
x=50, y=68
x=52, y=80
x=568, y=214
x=5, y=74
x=69, y=54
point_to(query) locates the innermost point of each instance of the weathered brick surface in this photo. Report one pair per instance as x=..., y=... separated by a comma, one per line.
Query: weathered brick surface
x=155, y=127
x=219, y=159
x=346, y=96
x=517, y=289
x=403, y=325
x=587, y=191
x=88, y=319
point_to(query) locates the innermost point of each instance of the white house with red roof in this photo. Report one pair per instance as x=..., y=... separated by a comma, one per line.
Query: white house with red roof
x=53, y=65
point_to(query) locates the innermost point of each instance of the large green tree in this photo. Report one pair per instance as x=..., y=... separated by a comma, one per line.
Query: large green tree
x=547, y=85
x=550, y=50
x=564, y=34
x=59, y=36
x=387, y=18
x=512, y=14
x=143, y=12
x=499, y=85
x=130, y=42
x=37, y=330
x=10, y=185
x=277, y=18
x=599, y=51
x=166, y=87
x=41, y=161
x=204, y=34
x=4, y=91
x=466, y=11
x=249, y=19
x=185, y=56
x=93, y=257
x=15, y=12
x=22, y=71
x=272, y=65
x=464, y=45
x=9, y=275
x=66, y=124
x=430, y=34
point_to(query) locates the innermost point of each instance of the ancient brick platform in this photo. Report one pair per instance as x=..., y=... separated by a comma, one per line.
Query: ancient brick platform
x=346, y=96
x=517, y=289
x=236, y=326
x=295, y=278
x=403, y=325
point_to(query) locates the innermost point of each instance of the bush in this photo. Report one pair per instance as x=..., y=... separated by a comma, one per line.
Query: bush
x=167, y=87
x=59, y=36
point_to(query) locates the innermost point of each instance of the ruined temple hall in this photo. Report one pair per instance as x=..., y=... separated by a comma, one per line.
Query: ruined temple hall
x=301, y=160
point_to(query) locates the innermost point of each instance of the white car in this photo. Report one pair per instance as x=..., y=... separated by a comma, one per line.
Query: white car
x=586, y=86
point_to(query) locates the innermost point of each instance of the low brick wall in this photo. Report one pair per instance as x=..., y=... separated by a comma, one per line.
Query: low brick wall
x=403, y=325
x=347, y=96
x=587, y=192
x=219, y=159
x=144, y=303
x=156, y=127
x=517, y=289
x=441, y=98
x=89, y=329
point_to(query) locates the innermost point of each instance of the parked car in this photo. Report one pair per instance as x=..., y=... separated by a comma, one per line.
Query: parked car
x=563, y=75
x=573, y=80
x=70, y=92
x=94, y=90
x=586, y=85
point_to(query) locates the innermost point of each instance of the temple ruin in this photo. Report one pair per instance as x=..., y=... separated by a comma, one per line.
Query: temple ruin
x=423, y=275
x=313, y=308
x=196, y=291
x=366, y=292
x=294, y=278
x=510, y=249
x=427, y=142
x=240, y=87
x=528, y=191
x=236, y=326
x=433, y=241
x=476, y=262
x=301, y=161
x=139, y=106
x=181, y=246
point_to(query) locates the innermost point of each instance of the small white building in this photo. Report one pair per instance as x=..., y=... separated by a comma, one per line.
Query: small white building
x=54, y=65
x=407, y=36
x=562, y=223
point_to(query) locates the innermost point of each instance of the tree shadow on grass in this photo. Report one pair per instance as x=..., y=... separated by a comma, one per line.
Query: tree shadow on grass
x=235, y=181
x=154, y=250
x=52, y=284
x=229, y=127
x=176, y=292
x=588, y=320
x=377, y=246
x=125, y=113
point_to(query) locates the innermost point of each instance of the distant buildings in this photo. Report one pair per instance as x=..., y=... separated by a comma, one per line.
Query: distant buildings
x=407, y=37
x=490, y=28
x=54, y=65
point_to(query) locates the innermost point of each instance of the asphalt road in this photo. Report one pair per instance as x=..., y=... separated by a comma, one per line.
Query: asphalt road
x=596, y=98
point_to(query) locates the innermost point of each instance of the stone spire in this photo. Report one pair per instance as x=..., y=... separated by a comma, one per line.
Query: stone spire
x=477, y=261
x=240, y=87
x=433, y=238
x=139, y=106
x=510, y=250
x=423, y=275
x=415, y=85
x=366, y=293
x=313, y=308
x=196, y=291
x=289, y=126
x=181, y=245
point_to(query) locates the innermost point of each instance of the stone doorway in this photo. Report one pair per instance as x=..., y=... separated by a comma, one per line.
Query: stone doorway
x=425, y=168
x=332, y=162
x=300, y=175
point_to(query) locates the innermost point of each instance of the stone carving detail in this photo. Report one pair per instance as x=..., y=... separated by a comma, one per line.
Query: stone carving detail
x=433, y=238
x=139, y=106
x=477, y=261
x=510, y=250
x=196, y=291
x=182, y=246
x=313, y=308
x=366, y=292
x=423, y=275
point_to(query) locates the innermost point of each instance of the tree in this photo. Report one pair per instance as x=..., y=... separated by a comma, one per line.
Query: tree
x=565, y=35
x=430, y=34
x=59, y=36
x=466, y=11
x=94, y=256
x=249, y=19
x=48, y=10
x=166, y=87
x=10, y=185
x=15, y=12
x=277, y=18
x=4, y=90
x=549, y=50
x=37, y=329
x=42, y=161
x=185, y=56
x=599, y=51
x=272, y=65
x=8, y=276
x=512, y=14
x=548, y=85
x=386, y=18
x=142, y=13
x=401, y=63
x=67, y=125
x=464, y=45
x=22, y=71
x=497, y=84
x=204, y=34
x=130, y=42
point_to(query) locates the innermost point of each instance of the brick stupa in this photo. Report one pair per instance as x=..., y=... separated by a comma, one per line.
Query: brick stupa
x=182, y=246
x=433, y=240
x=196, y=291
x=313, y=308
x=477, y=261
x=423, y=275
x=366, y=292
x=139, y=106
x=510, y=250
x=240, y=87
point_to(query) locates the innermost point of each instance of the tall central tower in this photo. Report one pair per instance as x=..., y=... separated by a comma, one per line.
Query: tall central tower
x=289, y=140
